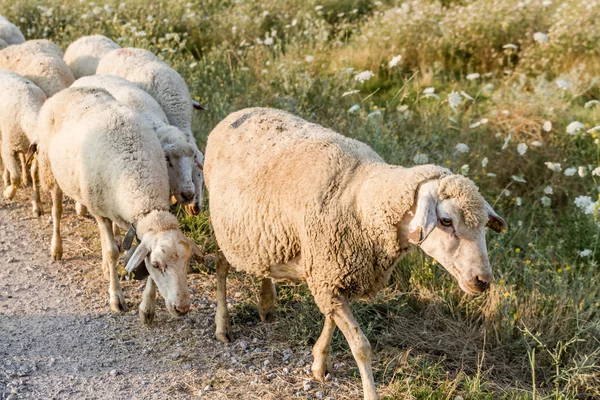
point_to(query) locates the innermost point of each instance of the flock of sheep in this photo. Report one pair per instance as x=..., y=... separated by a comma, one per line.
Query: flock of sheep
x=289, y=199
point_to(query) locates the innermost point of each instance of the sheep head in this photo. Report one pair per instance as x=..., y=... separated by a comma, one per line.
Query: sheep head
x=180, y=156
x=167, y=253
x=449, y=223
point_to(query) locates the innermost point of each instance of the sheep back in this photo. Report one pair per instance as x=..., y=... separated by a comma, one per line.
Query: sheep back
x=103, y=155
x=10, y=33
x=84, y=54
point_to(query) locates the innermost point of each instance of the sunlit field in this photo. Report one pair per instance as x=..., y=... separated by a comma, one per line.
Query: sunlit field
x=505, y=92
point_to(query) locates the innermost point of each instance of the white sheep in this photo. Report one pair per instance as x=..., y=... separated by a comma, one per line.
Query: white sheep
x=44, y=68
x=164, y=84
x=108, y=158
x=180, y=150
x=18, y=122
x=9, y=32
x=83, y=55
x=293, y=200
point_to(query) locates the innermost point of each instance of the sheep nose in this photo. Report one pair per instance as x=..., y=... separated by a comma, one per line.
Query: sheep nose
x=182, y=310
x=482, y=282
x=187, y=195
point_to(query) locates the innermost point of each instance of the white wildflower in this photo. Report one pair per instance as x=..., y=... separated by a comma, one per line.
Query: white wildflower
x=536, y=143
x=540, y=37
x=454, y=99
x=574, y=127
x=522, y=148
x=484, y=121
x=548, y=190
x=563, y=84
x=591, y=103
x=546, y=201
x=394, y=61
x=319, y=7
x=547, y=3
x=491, y=174
x=350, y=93
x=193, y=65
x=506, y=193
x=547, y=126
x=464, y=170
x=309, y=58
x=518, y=179
x=364, y=76
x=553, y=166
x=596, y=171
x=570, y=171
x=484, y=162
x=421, y=158
x=584, y=203
x=462, y=148
x=354, y=108
x=429, y=90
x=374, y=113
x=585, y=253
x=475, y=125
x=582, y=171
x=473, y=76
x=518, y=201
x=268, y=41
x=510, y=46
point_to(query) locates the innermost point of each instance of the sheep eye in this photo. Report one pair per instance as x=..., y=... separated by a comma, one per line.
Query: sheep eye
x=446, y=221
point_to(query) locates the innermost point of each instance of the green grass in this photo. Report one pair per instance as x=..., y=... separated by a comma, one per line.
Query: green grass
x=536, y=333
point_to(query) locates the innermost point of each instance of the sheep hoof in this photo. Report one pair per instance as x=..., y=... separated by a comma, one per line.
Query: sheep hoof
x=192, y=209
x=322, y=370
x=36, y=210
x=10, y=192
x=266, y=316
x=224, y=337
x=117, y=303
x=57, y=255
x=146, y=317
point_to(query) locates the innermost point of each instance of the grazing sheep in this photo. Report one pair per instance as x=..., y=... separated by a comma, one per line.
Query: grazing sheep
x=293, y=200
x=180, y=150
x=83, y=55
x=166, y=86
x=9, y=32
x=45, y=69
x=108, y=158
x=18, y=122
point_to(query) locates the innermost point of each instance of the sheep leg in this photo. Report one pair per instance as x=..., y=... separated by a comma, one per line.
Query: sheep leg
x=117, y=235
x=322, y=351
x=36, y=203
x=266, y=303
x=148, y=304
x=223, y=332
x=359, y=344
x=110, y=256
x=14, y=173
x=81, y=210
x=24, y=173
x=57, y=210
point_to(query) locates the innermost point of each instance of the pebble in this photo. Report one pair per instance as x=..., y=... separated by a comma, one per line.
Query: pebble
x=319, y=395
x=243, y=345
x=307, y=386
x=114, y=372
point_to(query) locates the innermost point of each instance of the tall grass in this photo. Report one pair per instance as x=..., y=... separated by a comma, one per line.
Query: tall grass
x=536, y=333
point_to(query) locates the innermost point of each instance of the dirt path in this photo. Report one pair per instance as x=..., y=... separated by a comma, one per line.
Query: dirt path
x=58, y=338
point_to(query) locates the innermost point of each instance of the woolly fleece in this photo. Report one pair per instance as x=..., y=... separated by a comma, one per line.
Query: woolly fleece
x=155, y=77
x=84, y=54
x=283, y=189
x=103, y=155
x=46, y=70
x=468, y=199
x=42, y=46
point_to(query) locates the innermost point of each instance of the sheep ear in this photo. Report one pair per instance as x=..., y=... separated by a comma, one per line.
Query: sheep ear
x=199, y=159
x=195, y=248
x=425, y=219
x=495, y=222
x=138, y=256
x=198, y=106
